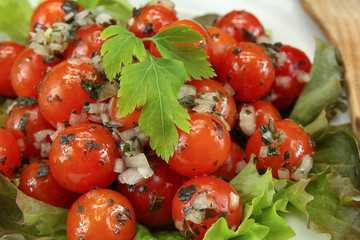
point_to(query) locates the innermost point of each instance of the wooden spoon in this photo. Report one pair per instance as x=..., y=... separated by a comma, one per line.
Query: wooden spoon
x=339, y=20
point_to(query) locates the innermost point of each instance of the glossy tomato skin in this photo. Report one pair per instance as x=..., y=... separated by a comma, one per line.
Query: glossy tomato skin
x=220, y=41
x=83, y=157
x=51, y=11
x=10, y=156
x=8, y=53
x=24, y=121
x=87, y=42
x=65, y=90
x=129, y=121
x=230, y=167
x=243, y=25
x=218, y=192
x=147, y=21
x=204, y=149
x=226, y=105
x=152, y=197
x=205, y=43
x=27, y=72
x=248, y=70
x=101, y=214
x=290, y=76
x=289, y=148
x=37, y=181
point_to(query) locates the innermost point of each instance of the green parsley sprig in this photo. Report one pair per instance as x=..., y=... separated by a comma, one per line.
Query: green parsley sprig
x=153, y=83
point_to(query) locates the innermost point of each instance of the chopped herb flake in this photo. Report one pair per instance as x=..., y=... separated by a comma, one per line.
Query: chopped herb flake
x=66, y=138
x=43, y=171
x=185, y=193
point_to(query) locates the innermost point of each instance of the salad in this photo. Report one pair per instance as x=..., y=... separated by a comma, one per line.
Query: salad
x=232, y=170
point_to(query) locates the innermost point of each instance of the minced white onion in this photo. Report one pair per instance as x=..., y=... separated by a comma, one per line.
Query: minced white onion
x=45, y=149
x=104, y=118
x=108, y=90
x=209, y=96
x=130, y=176
x=103, y=18
x=234, y=201
x=304, y=169
x=186, y=90
x=138, y=160
x=229, y=90
x=203, y=201
x=59, y=128
x=146, y=172
x=281, y=58
x=204, y=105
x=95, y=118
x=264, y=151
x=37, y=145
x=130, y=133
x=303, y=77
x=77, y=119
x=42, y=134
x=222, y=119
x=263, y=39
x=240, y=166
x=268, y=136
x=284, y=173
x=283, y=81
x=97, y=107
x=21, y=143
x=195, y=216
x=120, y=165
x=247, y=119
x=84, y=18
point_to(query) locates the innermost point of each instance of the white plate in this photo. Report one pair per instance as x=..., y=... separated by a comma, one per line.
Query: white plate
x=289, y=24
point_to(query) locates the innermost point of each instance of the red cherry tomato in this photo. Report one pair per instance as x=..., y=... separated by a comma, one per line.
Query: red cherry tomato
x=8, y=53
x=66, y=89
x=87, y=42
x=203, y=149
x=203, y=200
x=37, y=181
x=83, y=157
x=282, y=146
x=226, y=105
x=248, y=70
x=27, y=72
x=24, y=121
x=232, y=166
x=10, y=157
x=221, y=40
x=51, y=11
x=205, y=43
x=152, y=197
x=129, y=121
x=244, y=26
x=101, y=214
x=291, y=76
x=147, y=21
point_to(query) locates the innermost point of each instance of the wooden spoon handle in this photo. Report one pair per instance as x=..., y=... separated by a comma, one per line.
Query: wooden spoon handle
x=339, y=20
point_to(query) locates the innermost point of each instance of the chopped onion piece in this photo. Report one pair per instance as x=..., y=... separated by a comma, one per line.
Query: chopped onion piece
x=120, y=165
x=204, y=105
x=247, y=120
x=284, y=173
x=74, y=61
x=281, y=58
x=268, y=136
x=221, y=117
x=304, y=169
x=283, y=81
x=263, y=39
x=130, y=176
x=45, y=150
x=42, y=134
x=77, y=119
x=264, y=151
x=21, y=143
x=203, y=201
x=209, y=96
x=95, y=118
x=131, y=21
x=37, y=144
x=103, y=18
x=195, y=216
x=234, y=201
x=240, y=166
x=146, y=172
x=97, y=107
x=229, y=90
x=59, y=128
x=303, y=77
x=136, y=161
x=186, y=90
x=130, y=133
x=104, y=118
x=108, y=90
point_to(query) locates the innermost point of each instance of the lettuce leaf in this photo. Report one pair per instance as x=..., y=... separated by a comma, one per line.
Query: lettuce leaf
x=23, y=217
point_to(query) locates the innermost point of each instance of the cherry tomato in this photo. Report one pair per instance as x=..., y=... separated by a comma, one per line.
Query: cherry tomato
x=225, y=105
x=244, y=26
x=232, y=166
x=254, y=114
x=51, y=11
x=87, y=42
x=291, y=75
x=129, y=121
x=147, y=21
x=10, y=156
x=203, y=200
x=8, y=53
x=37, y=181
x=101, y=214
x=83, y=157
x=205, y=43
x=203, y=149
x=282, y=146
x=24, y=121
x=221, y=40
x=152, y=197
x=248, y=70
x=27, y=72
x=56, y=93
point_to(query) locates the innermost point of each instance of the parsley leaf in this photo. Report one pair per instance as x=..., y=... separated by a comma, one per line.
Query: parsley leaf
x=155, y=82
x=118, y=50
x=192, y=57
